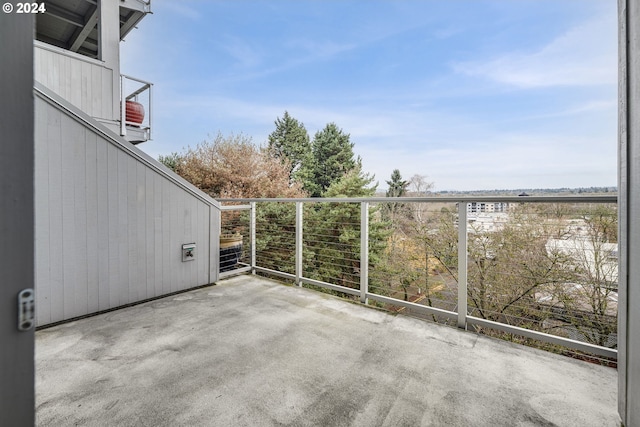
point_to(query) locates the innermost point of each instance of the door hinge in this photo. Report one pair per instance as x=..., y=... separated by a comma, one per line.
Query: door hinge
x=26, y=309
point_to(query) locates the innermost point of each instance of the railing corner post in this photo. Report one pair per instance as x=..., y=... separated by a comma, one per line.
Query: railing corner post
x=462, y=265
x=150, y=110
x=123, y=109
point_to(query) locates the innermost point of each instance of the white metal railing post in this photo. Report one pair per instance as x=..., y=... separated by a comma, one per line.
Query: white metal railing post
x=150, y=109
x=462, y=265
x=123, y=108
x=252, y=228
x=217, y=255
x=298, y=257
x=462, y=315
x=364, y=251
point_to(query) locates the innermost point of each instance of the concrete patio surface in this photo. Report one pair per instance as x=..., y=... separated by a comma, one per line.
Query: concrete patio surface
x=254, y=352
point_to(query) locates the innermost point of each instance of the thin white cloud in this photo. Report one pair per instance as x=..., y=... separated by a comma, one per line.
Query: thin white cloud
x=317, y=49
x=245, y=55
x=447, y=32
x=457, y=147
x=584, y=55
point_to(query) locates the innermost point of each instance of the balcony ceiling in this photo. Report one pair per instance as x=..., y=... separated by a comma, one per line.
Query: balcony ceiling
x=254, y=352
x=73, y=24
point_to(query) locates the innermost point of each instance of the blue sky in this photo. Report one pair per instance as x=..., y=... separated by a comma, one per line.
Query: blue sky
x=474, y=94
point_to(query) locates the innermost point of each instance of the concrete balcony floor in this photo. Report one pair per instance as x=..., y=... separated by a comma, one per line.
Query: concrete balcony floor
x=253, y=352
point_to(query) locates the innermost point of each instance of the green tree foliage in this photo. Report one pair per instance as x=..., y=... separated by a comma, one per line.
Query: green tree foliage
x=172, y=161
x=290, y=141
x=275, y=236
x=332, y=158
x=354, y=183
x=332, y=249
x=397, y=188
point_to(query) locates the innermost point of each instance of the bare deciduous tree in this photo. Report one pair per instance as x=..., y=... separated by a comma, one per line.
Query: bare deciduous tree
x=234, y=166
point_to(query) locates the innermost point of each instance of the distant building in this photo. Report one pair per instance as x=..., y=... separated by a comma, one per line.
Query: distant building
x=479, y=223
x=487, y=207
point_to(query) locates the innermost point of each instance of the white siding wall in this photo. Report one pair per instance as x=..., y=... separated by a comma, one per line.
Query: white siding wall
x=84, y=82
x=110, y=228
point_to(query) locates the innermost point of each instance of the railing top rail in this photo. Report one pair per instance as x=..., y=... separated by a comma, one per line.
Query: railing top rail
x=604, y=198
x=139, y=91
x=136, y=79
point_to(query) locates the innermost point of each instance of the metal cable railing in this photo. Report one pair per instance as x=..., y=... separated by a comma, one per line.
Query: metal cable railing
x=535, y=269
x=237, y=240
x=140, y=119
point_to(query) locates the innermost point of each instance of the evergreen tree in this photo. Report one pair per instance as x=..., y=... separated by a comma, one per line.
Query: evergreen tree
x=397, y=186
x=333, y=247
x=290, y=142
x=354, y=183
x=332, y=158
x=172, y=161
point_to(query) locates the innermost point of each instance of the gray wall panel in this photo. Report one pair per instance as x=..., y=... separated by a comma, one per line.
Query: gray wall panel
x=17, y=178
x=166, y=232
x=132, y=250
x=72, y=137
x=150, y=252
x=43, y=311
x=110, y=227
x=80, y=244
x=141, y=232
x=84, y=82
x=176, y=230
x=113, y=225
x=122, y=230
x=629, y=212
x=91, y=221
x=157, y=234
x=103, y=223
x=53, y=190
